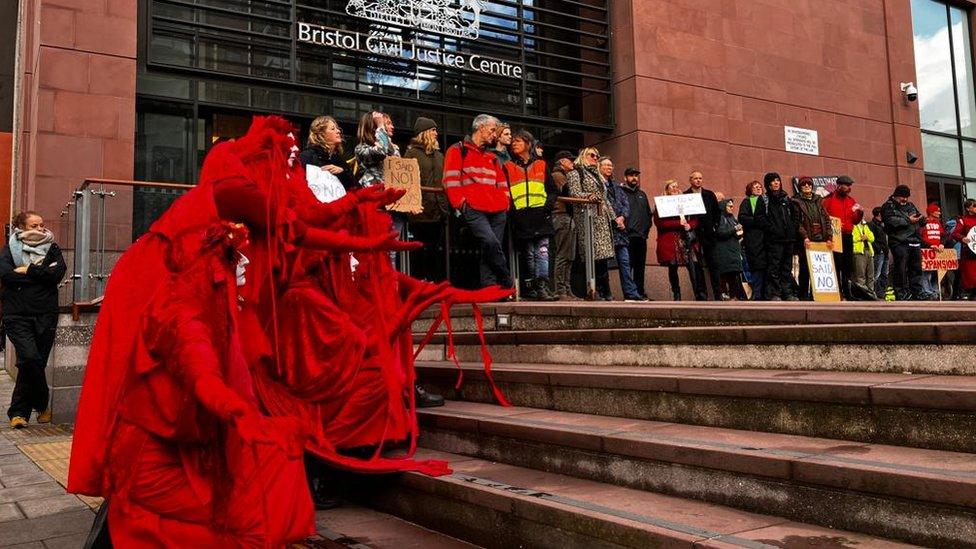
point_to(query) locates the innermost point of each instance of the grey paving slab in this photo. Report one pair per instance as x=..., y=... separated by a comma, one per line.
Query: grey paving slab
x=30, y=491
x=30, y=545
x=33, y=508
x=23, y=479
x=13, y=459
x=9, y=511
x=46, y=527
x=73, y=541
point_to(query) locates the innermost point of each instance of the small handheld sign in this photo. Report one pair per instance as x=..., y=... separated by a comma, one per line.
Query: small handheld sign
x=679, y=204
x=823, y=275
x=403, y=173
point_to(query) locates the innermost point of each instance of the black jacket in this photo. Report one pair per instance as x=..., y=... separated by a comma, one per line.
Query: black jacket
x=708, y=221
x=752, y=225
x=880, y=237
x=317, y=156
x=897, y=225
x=780, y=223
x=36, y=292
x=639, y=220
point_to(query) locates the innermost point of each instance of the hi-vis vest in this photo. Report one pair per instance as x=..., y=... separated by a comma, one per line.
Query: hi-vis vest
x=527, y=184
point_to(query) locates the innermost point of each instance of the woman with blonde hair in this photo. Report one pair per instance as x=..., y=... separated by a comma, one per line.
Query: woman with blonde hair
x=585, y=181
x=677, y=244
x=325, y=153
x=428, y=225
x=31, y=267
x=503, y=143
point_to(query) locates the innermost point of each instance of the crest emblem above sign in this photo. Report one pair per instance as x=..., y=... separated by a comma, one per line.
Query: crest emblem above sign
x=451, y=17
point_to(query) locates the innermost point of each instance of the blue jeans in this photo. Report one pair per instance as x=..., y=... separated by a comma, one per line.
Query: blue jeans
x=626, y=275
x=535, y=255
x=881, y=262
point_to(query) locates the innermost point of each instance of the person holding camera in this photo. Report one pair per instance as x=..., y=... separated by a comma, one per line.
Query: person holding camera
x=31, y=267
x=902, y=221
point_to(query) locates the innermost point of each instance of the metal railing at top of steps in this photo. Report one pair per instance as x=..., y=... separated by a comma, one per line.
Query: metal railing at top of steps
x=91, y=265
x=91, y=268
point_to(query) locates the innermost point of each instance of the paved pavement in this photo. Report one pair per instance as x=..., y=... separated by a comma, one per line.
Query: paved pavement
x=35, y=510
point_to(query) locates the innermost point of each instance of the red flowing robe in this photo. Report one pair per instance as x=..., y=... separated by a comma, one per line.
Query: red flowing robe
x=193, y=463
x=967, y=263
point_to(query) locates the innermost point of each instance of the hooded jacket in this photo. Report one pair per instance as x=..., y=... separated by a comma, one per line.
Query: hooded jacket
x=727, y=256
x=473, y=175
x=639, y=220
x=899, y=228
x=843, y=208
x=780, y=223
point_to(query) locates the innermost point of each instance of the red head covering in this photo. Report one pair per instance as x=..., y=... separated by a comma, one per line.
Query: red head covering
x=933, y=207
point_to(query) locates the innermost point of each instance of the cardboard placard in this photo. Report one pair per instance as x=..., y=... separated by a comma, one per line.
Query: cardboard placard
x=822, y=184
x=939, y=260
x=823, y=275
x=836, y=225
x=403, y=173
x=679, y=204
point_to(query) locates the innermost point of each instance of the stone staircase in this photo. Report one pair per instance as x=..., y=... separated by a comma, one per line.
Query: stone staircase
x=705, y=425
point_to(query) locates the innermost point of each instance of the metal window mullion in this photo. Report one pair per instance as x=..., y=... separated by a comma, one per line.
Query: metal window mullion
x=955, y=94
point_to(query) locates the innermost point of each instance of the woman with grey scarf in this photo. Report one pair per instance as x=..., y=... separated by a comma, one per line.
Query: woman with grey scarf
x=31, y=267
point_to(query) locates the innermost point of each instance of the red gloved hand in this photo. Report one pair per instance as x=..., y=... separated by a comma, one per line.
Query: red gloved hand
x=484, y=295
x=380, y=194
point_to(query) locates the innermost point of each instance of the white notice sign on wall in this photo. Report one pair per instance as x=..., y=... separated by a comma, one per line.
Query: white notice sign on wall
x=803, y=141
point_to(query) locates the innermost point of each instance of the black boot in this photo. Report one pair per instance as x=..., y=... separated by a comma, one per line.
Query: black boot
x=531, y=292
x=542, y=288
x=425, y=399
x=676, y=295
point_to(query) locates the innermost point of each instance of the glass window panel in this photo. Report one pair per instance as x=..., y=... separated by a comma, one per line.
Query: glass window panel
x=969, y=158
x=933, y=66
x=971, y=190
x=962, y=49
x=941, y=155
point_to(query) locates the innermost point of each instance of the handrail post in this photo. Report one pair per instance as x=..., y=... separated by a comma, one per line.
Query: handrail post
x=82, y=245
x=404, y=258
x=514, y=264
x=588, y=257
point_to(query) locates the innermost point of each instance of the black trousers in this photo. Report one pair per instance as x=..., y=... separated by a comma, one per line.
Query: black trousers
x=638, y=262
x=33, y=338
x=845, y=264
x=698, y=278
x=603, y=278
x=779, y=269
x=906, y=271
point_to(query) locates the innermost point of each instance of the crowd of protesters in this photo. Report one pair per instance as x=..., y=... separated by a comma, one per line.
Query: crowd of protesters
x=497, y=182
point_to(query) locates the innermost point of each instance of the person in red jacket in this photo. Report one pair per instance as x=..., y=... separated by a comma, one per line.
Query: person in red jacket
x=677, y=244
x=933, y=235
x=477, y=188
x=965, y=232
x=841, y=204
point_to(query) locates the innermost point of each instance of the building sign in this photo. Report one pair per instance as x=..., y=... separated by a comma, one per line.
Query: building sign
x=440, y=16
x=393, y=45
x=803, y=141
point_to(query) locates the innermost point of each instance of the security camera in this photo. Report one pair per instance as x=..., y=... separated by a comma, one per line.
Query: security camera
x=910, y=92
x=911, y=157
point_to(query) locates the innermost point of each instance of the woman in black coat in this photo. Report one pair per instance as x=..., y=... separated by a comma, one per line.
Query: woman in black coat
x=324, y=151
x=31, y=267
x=727, y=253
x=751, y=212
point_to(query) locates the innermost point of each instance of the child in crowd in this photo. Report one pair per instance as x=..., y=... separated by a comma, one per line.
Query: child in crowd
x=862, y=275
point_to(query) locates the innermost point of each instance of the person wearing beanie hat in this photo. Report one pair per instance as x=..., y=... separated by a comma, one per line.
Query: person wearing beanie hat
x=814, y=226
x=902, y=221
x=933, y=236
x=423, y=124
x=841, y=204
x=781, y=234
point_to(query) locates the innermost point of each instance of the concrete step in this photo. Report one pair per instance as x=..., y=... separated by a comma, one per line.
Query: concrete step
x=355, y=527
x=934, y=348
x=504, y=506
x=926, y=497
x=601, y=315
x=922, y=411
